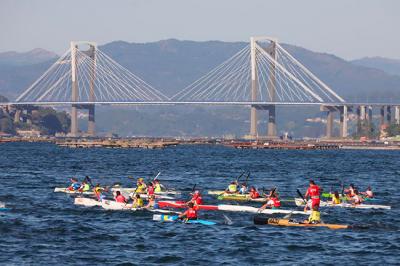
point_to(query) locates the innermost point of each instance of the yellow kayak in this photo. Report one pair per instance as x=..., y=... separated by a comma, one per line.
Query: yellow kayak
x=288, y=222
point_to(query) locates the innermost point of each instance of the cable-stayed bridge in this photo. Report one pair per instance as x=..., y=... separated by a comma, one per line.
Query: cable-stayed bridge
x=262, y=75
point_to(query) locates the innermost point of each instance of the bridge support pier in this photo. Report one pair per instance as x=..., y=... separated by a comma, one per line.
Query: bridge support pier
x=397, y=114
x=343, y=121
x=271, y=128
x=17, y=116
x=382, y=116
x=389, y=114
x=329, y=120
x=253, y=122
x=74, y=121
x=91, y=121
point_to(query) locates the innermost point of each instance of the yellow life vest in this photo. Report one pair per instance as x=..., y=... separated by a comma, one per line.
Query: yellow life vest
x=315, y=216
x=157, y=188
x=141, y=188
x=138, y=203
x=86, y=187
x=232, y=188
x=335, y=200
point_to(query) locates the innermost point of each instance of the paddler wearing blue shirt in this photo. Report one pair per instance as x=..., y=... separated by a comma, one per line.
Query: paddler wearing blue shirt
x=75, y=185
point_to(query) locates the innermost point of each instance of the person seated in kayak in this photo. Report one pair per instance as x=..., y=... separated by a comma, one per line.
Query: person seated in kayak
x=232, y=188
x=243, y=189
x=158, y=187
x=315, y=216
x=141, y=186
x=313, y=192
x=356, y=199
x=190, y=213
x=254, y=193
x=75, y=185
x=150, y=189
x=137, y=202
x=119, y=197
x=98, y=192
x=336, y=198
x=196, y=198
x=273, y=201
x=85, y=187
x=368, y=193
x=151, y=204
x=350, y=191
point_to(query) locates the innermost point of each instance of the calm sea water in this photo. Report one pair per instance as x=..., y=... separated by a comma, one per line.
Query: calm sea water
x=46, y=228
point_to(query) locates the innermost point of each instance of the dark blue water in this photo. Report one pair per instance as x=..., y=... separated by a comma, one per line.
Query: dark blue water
x=45, y=227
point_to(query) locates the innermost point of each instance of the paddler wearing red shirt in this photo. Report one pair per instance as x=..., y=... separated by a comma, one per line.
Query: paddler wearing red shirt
x=273, y=201
x=190, y=213
x=196, y=198
x=119, y=197
x=313, y=192
x=150, y=189
x=254, y=193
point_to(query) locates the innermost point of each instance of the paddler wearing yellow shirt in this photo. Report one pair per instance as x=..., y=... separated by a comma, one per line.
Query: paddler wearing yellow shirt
x=140, y=186
x=315, y=216
x=336, y=198
x=157, y=186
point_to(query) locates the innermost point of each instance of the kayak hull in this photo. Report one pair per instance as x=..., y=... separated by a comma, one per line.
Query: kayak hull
x=175, y=218
x=261, y=220
x=300, y=202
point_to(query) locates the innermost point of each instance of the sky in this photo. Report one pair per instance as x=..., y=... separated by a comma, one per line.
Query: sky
x=347, y=28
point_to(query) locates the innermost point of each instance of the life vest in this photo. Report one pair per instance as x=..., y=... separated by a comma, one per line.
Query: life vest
x=254, y=194
x=150, y=190
x=276, y=201
x=351, y=192
x=75, y=186
x=120, y=199
x=335, y=200
x=315, y=217
x=197, y=199
x=191, y=214
x=141, y=188
x=232, y=188
x=138, y=203
x=157, y=188
x=86, y=187
x=313, y=191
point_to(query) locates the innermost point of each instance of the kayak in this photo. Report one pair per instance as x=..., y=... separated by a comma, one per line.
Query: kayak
x=133, y=189
x=113, y=205
x=240, y=197
x=229, y=208
x=261, y=220
x=65, y=190
x=300, y=202
x=174, y=218
x=329, y=196
x=3, y=207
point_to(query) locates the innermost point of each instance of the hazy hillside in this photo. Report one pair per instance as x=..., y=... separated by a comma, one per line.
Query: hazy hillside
x=391, y=66
x=170, y=65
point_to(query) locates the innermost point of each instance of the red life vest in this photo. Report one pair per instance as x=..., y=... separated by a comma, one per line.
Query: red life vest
x=150, y=190
x=120, y=199
x=197, y=199
x=254, y=194
x=313, y=191
x=191, y=213
x=277, y=202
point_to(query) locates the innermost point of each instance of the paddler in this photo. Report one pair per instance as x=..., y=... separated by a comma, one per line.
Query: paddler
x=356, y=199
x=254, y=193
x=152, y=202
x=336, y=198
x=315, y=216
x=196, y=198
x=190, y=213
x=137, y=202
x=98, y=192
x=119, y=197
x=232, y=188
x=85, y=187
x=350, y=191
x=368, y=193
x=140, y=186
x=157, y=186
x=243, y=189
x=313, y=192
x=150, y=189
x=273, y=201
x=75, y=185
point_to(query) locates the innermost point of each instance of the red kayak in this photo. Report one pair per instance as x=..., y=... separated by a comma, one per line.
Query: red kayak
x=182, y=205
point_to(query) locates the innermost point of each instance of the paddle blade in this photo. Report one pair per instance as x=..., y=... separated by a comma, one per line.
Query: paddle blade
x=301, y=195
x=228, y=221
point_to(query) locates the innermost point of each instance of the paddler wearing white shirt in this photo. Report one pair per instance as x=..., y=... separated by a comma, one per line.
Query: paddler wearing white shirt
x=356, y=199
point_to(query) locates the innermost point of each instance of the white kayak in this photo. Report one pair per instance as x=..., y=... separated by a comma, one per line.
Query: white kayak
x=237, y=208
x=300, y=202
x=113, y=205
x=65, y=190
x=133, y=189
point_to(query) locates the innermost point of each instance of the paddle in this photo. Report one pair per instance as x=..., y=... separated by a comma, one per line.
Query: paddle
x=237, y=178
x=155, y=178
x=89, y=180
x=301, y=195
x=247, y=178
x=228, y=221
